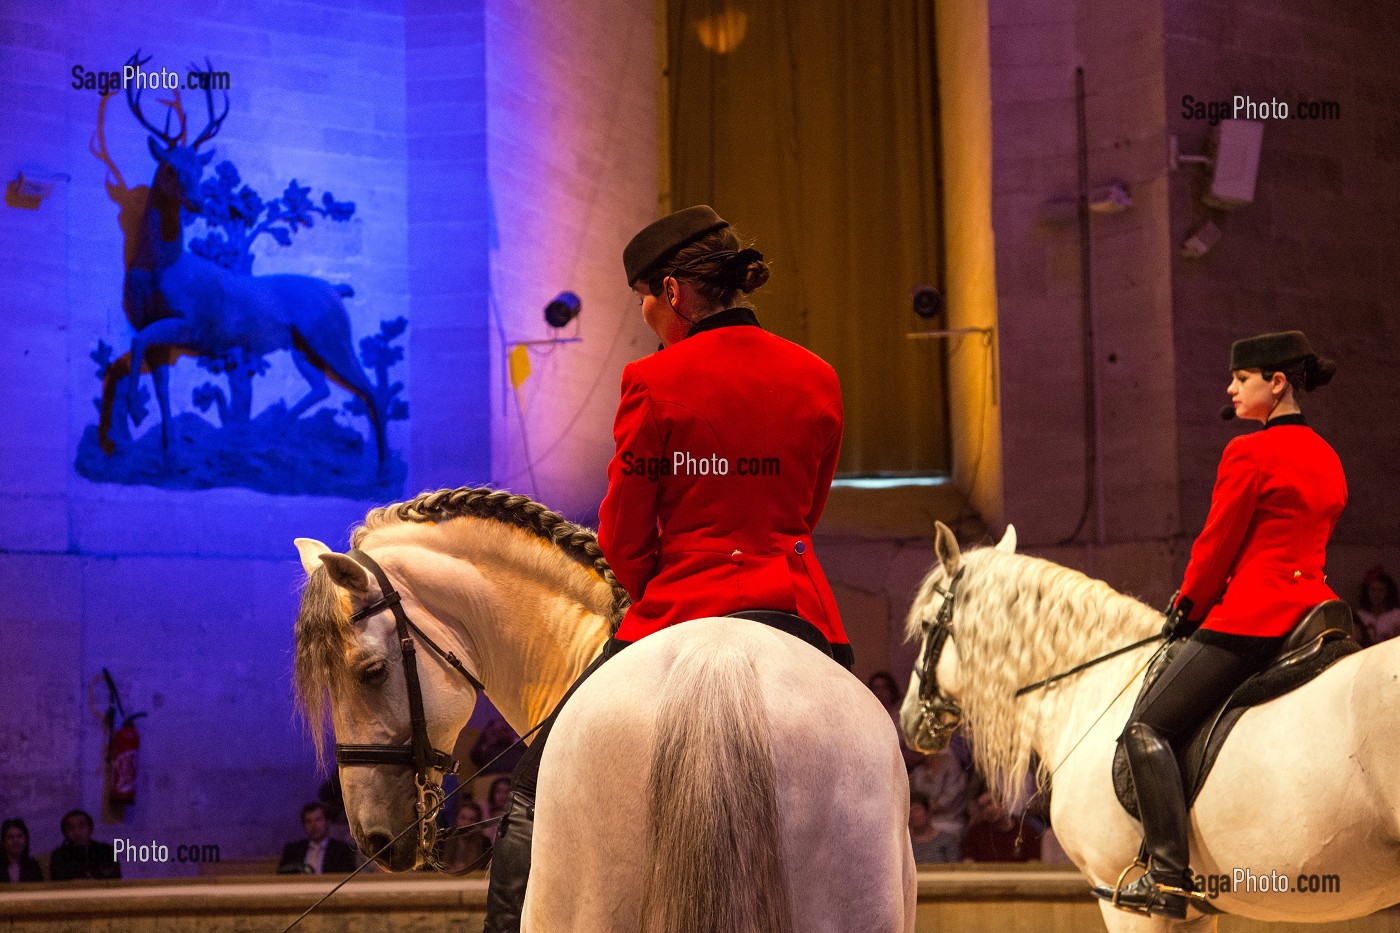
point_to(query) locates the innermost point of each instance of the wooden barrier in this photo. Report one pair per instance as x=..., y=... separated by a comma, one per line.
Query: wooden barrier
x=967, y=898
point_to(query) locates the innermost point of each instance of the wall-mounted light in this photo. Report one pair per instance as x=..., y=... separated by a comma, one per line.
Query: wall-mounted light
x=722, y=32
x=563, y=309
x=27, y=191
x=1233, y=165
x=928, y=302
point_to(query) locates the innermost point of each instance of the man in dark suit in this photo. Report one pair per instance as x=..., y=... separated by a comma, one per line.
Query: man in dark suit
x=317, y=854
x=79, y=856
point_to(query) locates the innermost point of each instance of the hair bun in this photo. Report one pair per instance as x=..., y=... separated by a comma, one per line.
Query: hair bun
x=747, y=270
x=1318, y=371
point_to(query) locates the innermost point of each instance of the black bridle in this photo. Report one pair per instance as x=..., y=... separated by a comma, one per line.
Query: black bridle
x=419, y=754
x=939, y=714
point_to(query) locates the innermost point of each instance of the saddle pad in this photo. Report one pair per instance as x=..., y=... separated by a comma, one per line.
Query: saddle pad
x=1197, y=754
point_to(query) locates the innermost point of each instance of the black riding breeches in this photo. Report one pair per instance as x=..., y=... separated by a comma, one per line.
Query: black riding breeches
x=1194, y=685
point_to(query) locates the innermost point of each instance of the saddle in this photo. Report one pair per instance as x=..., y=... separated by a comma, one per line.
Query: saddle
x=1325, y=636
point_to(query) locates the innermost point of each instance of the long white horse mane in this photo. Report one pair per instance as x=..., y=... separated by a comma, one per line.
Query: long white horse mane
x=1020, y=619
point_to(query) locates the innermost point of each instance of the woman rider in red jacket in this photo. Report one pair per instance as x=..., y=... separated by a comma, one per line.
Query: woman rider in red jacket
x=1255, y=570
x=727, y=440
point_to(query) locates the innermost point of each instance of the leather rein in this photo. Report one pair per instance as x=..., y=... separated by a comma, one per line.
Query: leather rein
x=419, y=754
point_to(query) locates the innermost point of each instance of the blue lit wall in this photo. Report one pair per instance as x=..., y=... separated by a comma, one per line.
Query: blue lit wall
x=188, y=594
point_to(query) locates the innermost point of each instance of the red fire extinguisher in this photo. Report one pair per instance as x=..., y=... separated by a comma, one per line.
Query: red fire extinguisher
x=122, y=745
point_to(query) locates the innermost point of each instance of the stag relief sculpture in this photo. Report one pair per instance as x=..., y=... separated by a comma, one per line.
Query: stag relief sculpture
x=180, y=303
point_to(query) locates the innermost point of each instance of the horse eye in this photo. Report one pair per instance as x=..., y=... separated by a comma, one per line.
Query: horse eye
x=373, y=673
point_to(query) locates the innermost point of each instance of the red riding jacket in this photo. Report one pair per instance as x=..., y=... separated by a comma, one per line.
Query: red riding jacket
x=1257, y=566
x=726, y=445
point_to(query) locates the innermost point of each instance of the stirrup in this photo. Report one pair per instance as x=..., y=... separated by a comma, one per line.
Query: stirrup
x=1160, y=899
x=1118, y=885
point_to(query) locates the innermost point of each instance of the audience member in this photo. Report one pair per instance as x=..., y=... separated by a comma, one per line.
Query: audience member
x=317, y=854
x=469, y=849
x=79, y=856
x=497, y=799
x=942, y=782
x=19, y=866
x=1378, y=617
x=888, y=692
x=997, y=835
x=931, y=845
x=497, y=739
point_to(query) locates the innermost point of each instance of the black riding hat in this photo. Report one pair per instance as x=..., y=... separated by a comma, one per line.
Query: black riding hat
x=1270, y=351
x=661, y=238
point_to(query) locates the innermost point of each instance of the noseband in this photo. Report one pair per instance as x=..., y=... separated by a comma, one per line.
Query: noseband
x=939, y=714
x=419, y=754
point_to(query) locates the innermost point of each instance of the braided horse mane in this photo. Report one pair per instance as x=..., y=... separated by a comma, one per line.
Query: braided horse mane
x=323, y=634
x=522, y=512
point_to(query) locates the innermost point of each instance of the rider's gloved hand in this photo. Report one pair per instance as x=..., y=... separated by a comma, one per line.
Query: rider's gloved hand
x=1178, y=612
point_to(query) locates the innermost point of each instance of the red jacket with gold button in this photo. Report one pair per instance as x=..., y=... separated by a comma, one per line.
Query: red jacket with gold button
x=726, y=445
x=1257, y=566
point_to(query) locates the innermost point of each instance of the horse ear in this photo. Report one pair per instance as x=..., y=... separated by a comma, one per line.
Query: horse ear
x=1007, y=544
x=151, y=141
x=346, y=572
x=204, y=159
x=310, y=550
x=945, y=545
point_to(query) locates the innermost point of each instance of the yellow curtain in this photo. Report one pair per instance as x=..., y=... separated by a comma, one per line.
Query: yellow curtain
x=809, y=125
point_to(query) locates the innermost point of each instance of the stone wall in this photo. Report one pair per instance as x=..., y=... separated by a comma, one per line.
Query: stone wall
x=485, y=177
x=1315, y=251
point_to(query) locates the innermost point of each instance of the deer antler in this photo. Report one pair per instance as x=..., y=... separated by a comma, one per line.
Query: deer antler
x=97, y=145
x=133, y=101
x=178, y=109
x=212, y=128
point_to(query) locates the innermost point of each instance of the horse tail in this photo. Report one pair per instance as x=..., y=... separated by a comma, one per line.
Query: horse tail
x=714, y=826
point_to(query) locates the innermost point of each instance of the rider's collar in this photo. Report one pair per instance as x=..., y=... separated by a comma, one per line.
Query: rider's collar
x=1294, y=418
x=729, y=317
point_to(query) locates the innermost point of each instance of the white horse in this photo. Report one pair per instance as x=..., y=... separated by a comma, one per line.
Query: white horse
x=1305, y=788
x=715, y=775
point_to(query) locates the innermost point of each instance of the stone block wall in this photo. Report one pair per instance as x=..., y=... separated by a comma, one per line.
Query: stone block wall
x=1315, y=251
x=188, y=596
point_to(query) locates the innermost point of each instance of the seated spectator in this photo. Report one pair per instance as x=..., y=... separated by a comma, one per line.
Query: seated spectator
x=317, y=854
x=888, y=692
x=497, y=799
x=80, y=856
x=1378, y=617
x=497, y=739
x=19, y=867
x=930, y=844
x=468, y=851
x=940, y=779
x=997, y=835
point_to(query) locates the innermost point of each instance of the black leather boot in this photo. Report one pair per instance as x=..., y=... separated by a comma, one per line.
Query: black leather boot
x=510, y=865
x=1165, y=889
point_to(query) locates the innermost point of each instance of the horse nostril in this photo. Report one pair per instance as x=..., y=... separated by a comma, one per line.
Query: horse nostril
x=377, y=841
